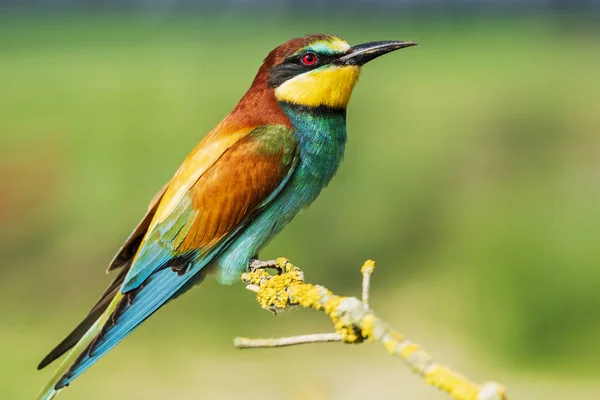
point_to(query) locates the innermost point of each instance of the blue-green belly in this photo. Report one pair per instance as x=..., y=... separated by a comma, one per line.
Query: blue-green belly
x=321, y=138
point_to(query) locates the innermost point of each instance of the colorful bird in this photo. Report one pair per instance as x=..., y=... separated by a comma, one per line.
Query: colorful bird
x=267, y=160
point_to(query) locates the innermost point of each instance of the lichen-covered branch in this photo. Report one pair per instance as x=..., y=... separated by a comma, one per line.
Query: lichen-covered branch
x=354, y=322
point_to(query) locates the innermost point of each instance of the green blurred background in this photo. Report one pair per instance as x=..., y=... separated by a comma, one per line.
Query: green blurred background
x=471, y=176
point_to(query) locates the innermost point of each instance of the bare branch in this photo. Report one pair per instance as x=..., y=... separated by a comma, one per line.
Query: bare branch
x=354, y=322
x=366, y=270
x=245, y=343
x=262, y=264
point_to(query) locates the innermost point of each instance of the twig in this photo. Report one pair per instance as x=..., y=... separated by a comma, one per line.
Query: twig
x=245, y=343
x=262, y=264
x=354, y=322
x=366, y=270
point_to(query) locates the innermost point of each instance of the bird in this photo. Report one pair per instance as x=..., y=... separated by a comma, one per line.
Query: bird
x=238, y=188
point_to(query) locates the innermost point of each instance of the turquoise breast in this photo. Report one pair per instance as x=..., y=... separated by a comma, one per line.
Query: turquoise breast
x=321, y=134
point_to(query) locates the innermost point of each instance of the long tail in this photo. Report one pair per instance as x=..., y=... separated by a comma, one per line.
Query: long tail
x=56, y=384
x=124, y=313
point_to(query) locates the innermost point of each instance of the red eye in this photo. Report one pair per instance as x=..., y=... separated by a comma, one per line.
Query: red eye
x=309, y=59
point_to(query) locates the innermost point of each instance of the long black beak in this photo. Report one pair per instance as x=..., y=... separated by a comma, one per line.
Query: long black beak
x=363, y=53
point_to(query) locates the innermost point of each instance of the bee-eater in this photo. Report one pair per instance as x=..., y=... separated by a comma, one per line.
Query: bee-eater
x=267, y=160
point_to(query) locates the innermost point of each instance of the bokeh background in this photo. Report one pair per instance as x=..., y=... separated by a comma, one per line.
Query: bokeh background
x=471, y=176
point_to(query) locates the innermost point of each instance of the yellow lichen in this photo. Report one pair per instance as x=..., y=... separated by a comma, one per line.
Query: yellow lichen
x=349, y=335
x=408, y=349
x=366, y=327
x=255, y=277
x=307, y=295
x=284, y=264
x=272, y=292
x=368, y=267
x=278, y=292
x=390, y=345
x=331, y=305
x=397, y=336
x=347, y=332
x=451, y=383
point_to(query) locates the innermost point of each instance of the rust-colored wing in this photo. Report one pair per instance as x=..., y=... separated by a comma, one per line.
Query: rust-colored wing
x=217, y=203
x=247, y=176
x=191, y=224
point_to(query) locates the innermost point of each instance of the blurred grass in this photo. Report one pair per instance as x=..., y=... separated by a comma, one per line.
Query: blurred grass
x=471, y=176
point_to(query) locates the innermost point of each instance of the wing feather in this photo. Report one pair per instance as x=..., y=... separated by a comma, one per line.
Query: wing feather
x=127, y=251
x=177, y=245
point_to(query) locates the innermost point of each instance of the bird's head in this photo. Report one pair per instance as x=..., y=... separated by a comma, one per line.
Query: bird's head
x=319, y=70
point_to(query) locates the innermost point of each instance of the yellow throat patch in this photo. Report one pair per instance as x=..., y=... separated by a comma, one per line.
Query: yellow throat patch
x=328, y=86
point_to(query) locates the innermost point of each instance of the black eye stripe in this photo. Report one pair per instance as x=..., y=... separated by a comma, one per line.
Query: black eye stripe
x=284, y=71
x=293, y=66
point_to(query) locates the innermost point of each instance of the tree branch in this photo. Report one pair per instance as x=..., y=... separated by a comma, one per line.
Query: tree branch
x=245, y=343
x=354, y=322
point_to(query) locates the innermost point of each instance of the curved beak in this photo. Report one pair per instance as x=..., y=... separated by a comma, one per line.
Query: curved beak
x=363, y=53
